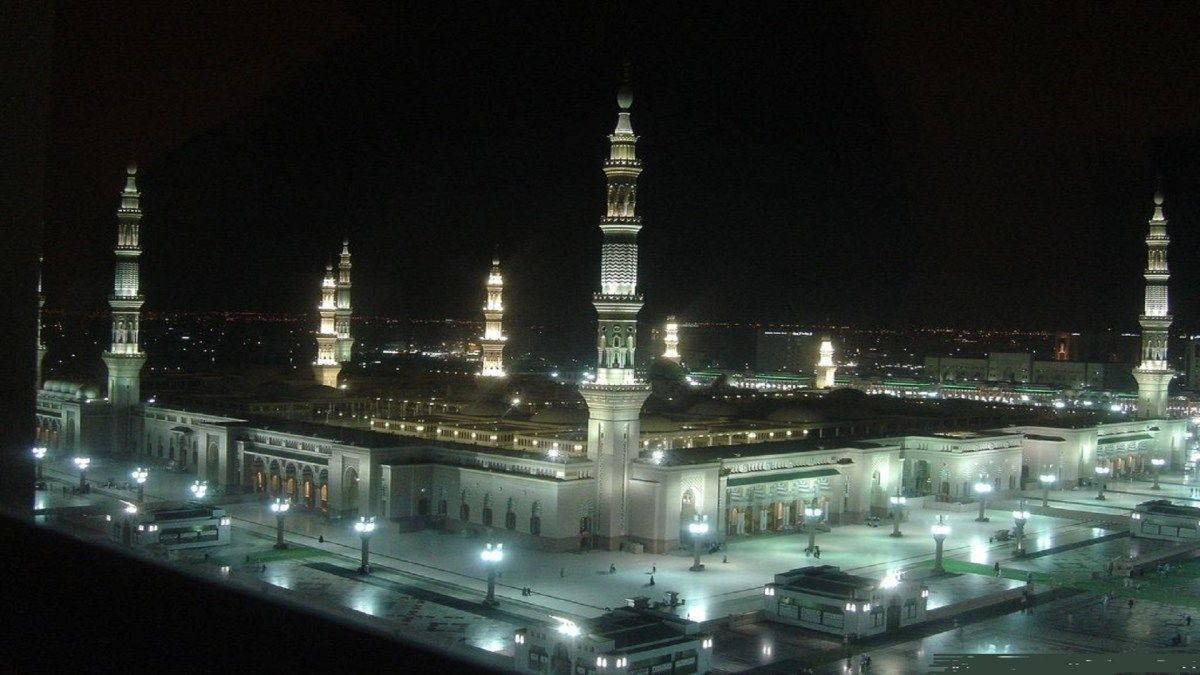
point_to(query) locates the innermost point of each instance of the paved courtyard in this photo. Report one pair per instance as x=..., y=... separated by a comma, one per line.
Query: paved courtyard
x=429, y=584
x=580, y=583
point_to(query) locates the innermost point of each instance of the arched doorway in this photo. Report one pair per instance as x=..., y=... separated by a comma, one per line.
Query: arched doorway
x=687, y=513
x=922, y=480
x=291, y=485
x=275, y=480
x=258, y=475
x=350, y=490
x=308, y=488
x=878, y=498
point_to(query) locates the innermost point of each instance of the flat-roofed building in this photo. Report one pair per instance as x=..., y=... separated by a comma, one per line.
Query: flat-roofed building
x=1160, y=519
x=172, y=526
x=826, y=599
x=625, y=640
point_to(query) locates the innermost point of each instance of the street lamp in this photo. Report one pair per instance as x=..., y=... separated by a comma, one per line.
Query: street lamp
x=82, y=463
x=491, y=555
x=1102, y=479
x=364, y=527
x=1019, y=518
x=39, y=453
x=1047, y=479
x=897, y=513
x=698, y=528
x=812, y=515
x=939, y=531
x=140, y=475
x=982, y=489
x=280, y=508
x=199, y=488
x=1157, y=463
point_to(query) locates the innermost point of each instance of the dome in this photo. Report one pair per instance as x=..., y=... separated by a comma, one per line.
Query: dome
x=625, y=97
x=485, y=409
x=712, y=408
x=796, y=415
x=657, y=424
x=559, y=415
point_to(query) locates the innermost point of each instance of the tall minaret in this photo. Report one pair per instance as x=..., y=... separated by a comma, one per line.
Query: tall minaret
x=825, y=369
x=125, y=358
x=671, y=340
x=493, y=329
x=41, y=344
x=1153, y=375
x=327, y=368
x=615, y=399
x=342, y=315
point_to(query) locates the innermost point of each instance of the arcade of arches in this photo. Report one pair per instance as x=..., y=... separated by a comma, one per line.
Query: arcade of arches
x=305, y=485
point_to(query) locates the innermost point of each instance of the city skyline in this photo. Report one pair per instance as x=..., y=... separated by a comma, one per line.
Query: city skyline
x=604, y=339
x=242, y=200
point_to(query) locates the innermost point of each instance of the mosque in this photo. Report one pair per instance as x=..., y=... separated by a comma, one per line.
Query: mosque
x=613, y=477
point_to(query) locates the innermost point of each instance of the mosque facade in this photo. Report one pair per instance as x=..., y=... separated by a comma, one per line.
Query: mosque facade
x=608, y=487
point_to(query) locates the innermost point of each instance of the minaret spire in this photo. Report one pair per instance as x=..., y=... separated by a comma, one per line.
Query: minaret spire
x=327, y=367
x=618, y=302
x=1153, y=375
x=125, y=357
x=41, y=345
x=493, y=315
x=615, y=399
x=345, y=343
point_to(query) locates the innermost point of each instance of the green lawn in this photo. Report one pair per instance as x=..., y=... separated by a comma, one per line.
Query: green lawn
x=1176, y=588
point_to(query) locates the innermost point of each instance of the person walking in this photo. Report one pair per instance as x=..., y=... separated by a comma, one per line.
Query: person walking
x=1131, y=604
x=651, y=579
x=653, y=569
x=320, y=539
x=1188, y=619
x=997, y=568
x=612, y=568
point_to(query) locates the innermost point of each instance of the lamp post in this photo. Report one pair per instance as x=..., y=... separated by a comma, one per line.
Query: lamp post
x=82, y=463
x=1157, y=463
x=812, y=515
x=492, y=554
x=897, y=513
x=1019, y=518
x=39, y=453
x=139, y=475
x=364, y=527
x=982, y=489
x=1102, y=480
x=280, y=508
x=1047, y=480
x=698, y=528
x=199, y=488
x=939, y=531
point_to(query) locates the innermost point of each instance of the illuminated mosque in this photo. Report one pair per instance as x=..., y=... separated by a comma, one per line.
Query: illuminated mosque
x=613, y=477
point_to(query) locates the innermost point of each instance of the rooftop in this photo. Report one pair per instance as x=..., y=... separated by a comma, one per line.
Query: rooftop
x=827, y=580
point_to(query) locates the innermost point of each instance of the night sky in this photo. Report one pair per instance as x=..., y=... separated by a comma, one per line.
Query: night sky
x=947, y=166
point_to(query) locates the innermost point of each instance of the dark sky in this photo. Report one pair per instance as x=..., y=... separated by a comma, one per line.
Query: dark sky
x=956, y=164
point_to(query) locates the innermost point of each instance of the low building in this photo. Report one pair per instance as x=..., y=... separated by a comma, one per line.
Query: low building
x=627, y=640
x=1160, y=519
x=173, y=526
x=826, y=599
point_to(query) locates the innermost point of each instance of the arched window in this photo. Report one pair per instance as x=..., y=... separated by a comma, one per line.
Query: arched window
x=510, y=520
x=464, y=513
x=442, y=507
x=487, y=515
x=423, y=506
x=535, y=526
